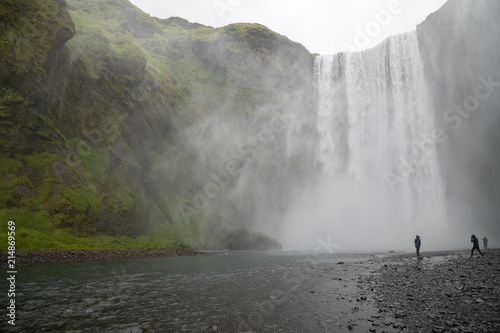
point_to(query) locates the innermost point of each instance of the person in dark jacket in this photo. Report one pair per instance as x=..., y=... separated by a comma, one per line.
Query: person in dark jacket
x=417, y=245
x=475, y=245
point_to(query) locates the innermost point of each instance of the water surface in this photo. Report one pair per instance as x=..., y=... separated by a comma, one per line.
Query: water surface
x=226, y=292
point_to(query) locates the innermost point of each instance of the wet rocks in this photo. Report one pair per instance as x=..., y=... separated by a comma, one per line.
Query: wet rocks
x=441, y=293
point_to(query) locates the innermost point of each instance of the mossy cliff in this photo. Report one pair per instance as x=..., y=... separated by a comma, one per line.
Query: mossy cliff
x=107, y=125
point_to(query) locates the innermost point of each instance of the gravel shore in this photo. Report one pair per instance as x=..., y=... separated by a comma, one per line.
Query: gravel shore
x=38, y=256
x=441, y=292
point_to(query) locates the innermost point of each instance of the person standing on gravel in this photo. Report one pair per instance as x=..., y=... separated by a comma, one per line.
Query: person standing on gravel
x=475, y=242
x=485, y=242
x=417, y=245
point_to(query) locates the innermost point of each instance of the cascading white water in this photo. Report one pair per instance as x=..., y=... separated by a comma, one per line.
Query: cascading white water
x=381, y=181
x=375, y=122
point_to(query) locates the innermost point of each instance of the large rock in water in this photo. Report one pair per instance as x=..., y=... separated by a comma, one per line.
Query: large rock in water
x=241, y=239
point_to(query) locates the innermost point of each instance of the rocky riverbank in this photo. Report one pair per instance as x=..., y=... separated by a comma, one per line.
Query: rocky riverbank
x=441, y=292
x=38, y=256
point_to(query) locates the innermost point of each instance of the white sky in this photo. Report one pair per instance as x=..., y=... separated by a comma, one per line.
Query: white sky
x=322, y=26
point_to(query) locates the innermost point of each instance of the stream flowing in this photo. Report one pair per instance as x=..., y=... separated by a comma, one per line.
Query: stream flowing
x=226, y=292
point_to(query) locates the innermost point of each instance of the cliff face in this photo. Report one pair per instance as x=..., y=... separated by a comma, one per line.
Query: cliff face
x=107, y=122
x=122, y=130
x=460, y=47
x=33, y=38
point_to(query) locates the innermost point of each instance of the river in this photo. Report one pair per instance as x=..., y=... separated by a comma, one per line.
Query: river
x=220, y=291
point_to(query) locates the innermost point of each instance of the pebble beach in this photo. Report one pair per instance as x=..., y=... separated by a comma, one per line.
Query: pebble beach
x=440, y=292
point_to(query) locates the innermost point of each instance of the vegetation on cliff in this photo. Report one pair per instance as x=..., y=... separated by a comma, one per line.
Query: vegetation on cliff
x=100, y=109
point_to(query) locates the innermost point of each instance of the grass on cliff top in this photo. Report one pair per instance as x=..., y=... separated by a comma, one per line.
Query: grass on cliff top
x=35, y=231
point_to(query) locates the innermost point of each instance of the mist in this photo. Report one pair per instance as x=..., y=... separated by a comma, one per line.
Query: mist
x=363, y=160
x=387, y=171
x=452, y=188
x=379, y=182
x=462, y=66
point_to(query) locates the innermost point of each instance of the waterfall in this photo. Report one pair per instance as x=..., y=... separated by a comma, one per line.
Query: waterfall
x=375, y=132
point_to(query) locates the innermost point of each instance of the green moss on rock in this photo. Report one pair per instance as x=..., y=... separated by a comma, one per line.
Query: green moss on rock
x=9, y=165
x=94, y=97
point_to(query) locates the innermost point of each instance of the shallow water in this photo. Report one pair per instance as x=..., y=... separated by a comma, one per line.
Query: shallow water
x=226, y=292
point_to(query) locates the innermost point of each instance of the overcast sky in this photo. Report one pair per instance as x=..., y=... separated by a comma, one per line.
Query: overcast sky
x=322, y=26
